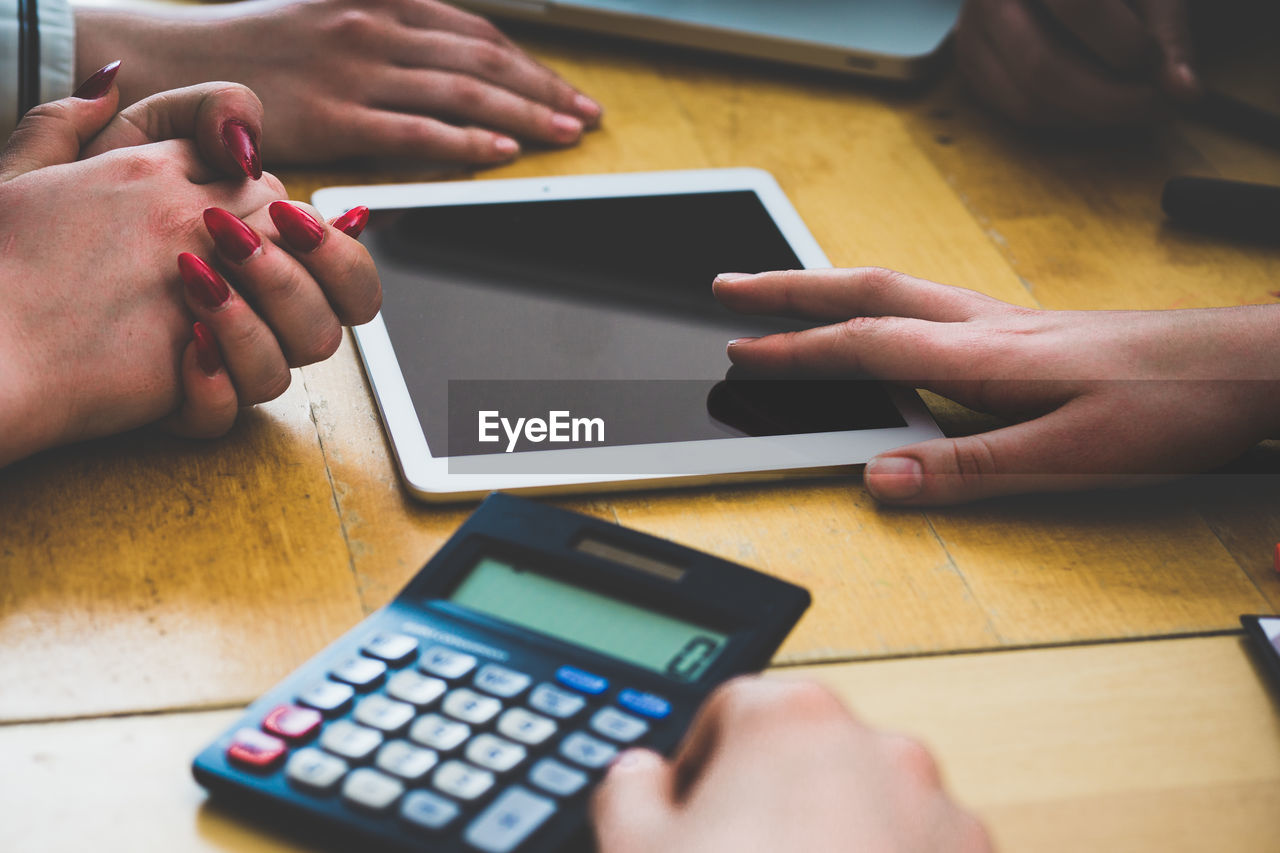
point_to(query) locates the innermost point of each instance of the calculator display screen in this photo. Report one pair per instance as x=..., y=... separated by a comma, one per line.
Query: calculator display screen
x=646, y=638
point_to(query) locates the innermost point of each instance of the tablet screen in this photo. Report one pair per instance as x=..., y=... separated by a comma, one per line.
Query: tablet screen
x=599, y=309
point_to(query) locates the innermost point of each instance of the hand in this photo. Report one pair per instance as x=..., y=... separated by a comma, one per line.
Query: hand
x=1067, y=63
x=775, y=765
x=351, y=78
x=1102, y=398
x=94, y=337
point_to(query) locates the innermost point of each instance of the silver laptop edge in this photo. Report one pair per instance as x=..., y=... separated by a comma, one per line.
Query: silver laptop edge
x=935, y=19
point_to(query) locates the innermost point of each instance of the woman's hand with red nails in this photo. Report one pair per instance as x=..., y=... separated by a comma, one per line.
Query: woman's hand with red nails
x=1096, y=398
x=95, y=337
x=92, y=322
x=779, y=765
x=1078, y=63
x=351, y=78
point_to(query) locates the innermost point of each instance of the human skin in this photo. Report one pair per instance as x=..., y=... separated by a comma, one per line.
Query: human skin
x=343, y=79
x=1078, y=63
x=773, y=765
x=96, y=319
x=1095, y=398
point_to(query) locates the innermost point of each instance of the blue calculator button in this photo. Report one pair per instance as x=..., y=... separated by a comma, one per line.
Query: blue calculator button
x=645, y=704
x=582, y=681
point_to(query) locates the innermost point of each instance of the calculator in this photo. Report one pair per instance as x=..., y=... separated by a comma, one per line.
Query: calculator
x=477, y=710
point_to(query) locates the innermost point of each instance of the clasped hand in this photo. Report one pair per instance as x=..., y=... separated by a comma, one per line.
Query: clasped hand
x=102, y=328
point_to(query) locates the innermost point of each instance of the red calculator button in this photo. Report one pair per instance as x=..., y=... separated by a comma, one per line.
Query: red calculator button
x=255, y=750
x=291, y=722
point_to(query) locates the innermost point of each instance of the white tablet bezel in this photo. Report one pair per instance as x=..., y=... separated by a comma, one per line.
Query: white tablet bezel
x=691, y=462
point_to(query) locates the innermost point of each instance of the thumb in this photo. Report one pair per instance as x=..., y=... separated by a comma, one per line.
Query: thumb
x=1170, y=22
x=1065, y=450
x=53, y=133
x=634, y=803
x=224, y=119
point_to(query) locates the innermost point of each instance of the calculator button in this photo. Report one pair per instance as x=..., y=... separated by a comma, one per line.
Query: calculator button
x=291, y=722
x=471, y=707
x=371, y=790
x=347, y=740
x=314, y=770
x=494, y=753
x=585, y=750
x=360, y=672
x=403, y=759
x=255, y=750
x=501, y=681
x=525, y=726
x=428, y=810
x=581, y=680
x=385, y=715
x=438, y=732
x=328, y=697
x=395, y=649
x=645, y=704
x=446, y=663
x=415, y=688
x=555, y=778
x=461, y=780
x=556, y=702
x=509, y=820
x=614, y=724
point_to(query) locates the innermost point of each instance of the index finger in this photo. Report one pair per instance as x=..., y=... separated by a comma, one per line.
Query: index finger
x=430, y=13
x=224, y=119
x=898, y=349
x=837, y=294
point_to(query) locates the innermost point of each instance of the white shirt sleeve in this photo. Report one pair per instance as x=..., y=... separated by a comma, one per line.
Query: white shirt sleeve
x=51, y=33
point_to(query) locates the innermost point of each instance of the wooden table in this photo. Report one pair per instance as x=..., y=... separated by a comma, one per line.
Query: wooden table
x=1073, y=660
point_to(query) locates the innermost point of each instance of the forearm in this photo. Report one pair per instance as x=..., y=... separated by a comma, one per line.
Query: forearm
x=20, y=419
x=142, y=40
x=163, y=48
x=1252, y=354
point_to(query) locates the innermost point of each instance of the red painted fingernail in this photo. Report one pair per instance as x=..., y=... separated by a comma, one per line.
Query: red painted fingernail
x=298, y=228
x=353, y=221
x=204, y=285
x=240, y=142
x=99, y=82
x=207, y=355
x=232, y=237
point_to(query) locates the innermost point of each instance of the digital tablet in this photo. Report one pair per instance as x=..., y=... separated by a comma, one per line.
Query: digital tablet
x=560, y=334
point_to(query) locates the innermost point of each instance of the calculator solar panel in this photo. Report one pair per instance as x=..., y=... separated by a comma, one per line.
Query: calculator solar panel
x=478, y=709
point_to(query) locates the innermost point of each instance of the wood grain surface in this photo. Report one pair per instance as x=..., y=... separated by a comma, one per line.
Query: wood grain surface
x=144, y=574
x=1170, y=745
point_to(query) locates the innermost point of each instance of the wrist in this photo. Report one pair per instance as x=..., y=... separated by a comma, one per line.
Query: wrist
x=22, y=420
x=1258, y=354
x=159, y=50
